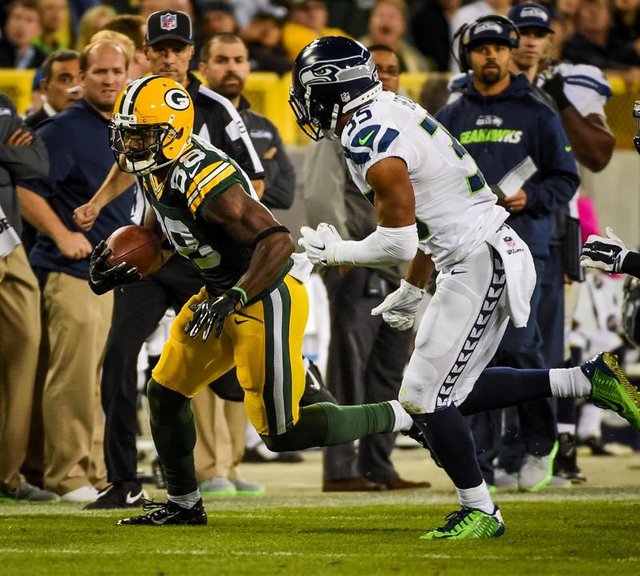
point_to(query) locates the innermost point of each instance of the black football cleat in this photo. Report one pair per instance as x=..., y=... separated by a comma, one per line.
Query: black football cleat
x=165, y=513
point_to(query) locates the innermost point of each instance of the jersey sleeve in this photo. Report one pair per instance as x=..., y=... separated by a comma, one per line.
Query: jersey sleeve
x=202, y=175
x=368, y=140
x=586, y=88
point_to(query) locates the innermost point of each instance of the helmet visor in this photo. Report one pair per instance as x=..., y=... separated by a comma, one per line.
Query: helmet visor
x=302, y=117
x=141, y=145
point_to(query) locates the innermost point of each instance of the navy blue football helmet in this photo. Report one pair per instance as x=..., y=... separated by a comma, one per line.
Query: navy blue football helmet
x=331, y=76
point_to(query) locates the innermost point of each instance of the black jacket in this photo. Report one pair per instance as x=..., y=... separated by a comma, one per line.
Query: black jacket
x=8, y=56
x=17, y=162
x=217, y=121
x=280, y=175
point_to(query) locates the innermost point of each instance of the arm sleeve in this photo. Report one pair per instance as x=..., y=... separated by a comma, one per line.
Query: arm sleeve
x=558, y=179
x=280, y=177
x=385, y=246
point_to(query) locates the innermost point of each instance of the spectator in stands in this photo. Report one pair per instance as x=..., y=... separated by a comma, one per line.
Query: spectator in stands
x=388, y=26
x=133, y=27
x=247, y=10
x=263, y=38
x=307, y=21
x=76, y=320
x=430, y=27
x=470, y=13
x=567, y=10
x=22, y=155
x=76, y=9
x=54, y=18
x=626, y=20
x=216, y=17
x=148, y=7
x=21, y=29
x=92, y=20
x=366, y=356
x=594, y=43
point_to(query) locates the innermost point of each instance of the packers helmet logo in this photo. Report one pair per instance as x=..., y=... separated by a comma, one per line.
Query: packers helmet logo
x=177, y=99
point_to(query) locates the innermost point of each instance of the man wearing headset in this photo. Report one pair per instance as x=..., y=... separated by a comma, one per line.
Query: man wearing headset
x=523, y=151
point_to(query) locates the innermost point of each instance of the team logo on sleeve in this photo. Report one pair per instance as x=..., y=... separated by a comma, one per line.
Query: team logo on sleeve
x=177, y=99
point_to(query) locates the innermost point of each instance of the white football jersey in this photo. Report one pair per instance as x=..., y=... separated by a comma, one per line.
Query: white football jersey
x=585, y=86
x=455, y=209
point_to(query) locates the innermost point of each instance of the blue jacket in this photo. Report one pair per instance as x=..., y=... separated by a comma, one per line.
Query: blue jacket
x=80, y=159
x=499, y=132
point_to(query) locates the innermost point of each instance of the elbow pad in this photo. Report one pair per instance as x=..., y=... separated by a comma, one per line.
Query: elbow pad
x=384, y=247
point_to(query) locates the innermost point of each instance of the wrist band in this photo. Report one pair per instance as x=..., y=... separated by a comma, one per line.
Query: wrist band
x=243, y=295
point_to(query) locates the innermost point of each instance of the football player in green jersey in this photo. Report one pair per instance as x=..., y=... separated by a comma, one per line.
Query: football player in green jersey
x=250, y=313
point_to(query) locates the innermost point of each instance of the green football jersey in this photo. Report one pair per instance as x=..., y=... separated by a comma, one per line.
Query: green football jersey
x=200, y=175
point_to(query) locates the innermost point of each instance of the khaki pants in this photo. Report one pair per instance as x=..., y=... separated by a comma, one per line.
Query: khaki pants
x=77, y=324
x=221, y=429
x=19, y=342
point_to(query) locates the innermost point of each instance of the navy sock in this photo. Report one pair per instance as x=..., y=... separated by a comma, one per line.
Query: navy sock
x=502, y=387
x=451, y=440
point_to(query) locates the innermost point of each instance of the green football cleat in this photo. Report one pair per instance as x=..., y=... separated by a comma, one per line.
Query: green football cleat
x=468, y=523
x=611, y=389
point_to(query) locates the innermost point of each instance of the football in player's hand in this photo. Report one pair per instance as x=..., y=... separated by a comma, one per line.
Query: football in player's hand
x=137, y=246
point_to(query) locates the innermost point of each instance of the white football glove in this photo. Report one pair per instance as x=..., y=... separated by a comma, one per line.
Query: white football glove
x=603, y=253
x=319, y=243
x=400, y=307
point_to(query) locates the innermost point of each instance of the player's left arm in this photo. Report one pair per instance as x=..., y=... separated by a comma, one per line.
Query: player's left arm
x=395, y=238
x=251, y=224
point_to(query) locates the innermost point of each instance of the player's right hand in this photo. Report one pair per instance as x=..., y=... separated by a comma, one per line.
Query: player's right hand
x=103, y=278
x=84, y=216
x=400, y=307
x=604, y=253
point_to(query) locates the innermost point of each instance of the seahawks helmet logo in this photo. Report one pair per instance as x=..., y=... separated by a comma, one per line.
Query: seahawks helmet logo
x=176, y=99
x=345, y=70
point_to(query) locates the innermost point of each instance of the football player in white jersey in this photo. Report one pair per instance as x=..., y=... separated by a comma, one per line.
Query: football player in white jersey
x=434, y=208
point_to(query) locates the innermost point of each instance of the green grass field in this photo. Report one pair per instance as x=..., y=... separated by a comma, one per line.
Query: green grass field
x=590, y=531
